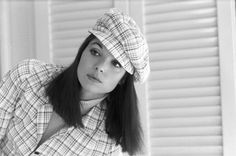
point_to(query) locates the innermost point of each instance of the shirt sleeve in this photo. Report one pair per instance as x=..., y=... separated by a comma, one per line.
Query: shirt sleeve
x=116, y=151
x=11, y=86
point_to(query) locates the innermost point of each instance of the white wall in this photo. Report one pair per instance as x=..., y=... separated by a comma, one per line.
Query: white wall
x=0, y=35
x=22, y=30
x=17, y=42
x=17, y=32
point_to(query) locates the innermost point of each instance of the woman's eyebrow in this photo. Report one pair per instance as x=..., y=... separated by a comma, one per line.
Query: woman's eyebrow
x=96, y=43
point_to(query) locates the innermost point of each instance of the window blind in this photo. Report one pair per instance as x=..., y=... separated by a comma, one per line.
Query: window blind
x=184, y=84
x=70, y=22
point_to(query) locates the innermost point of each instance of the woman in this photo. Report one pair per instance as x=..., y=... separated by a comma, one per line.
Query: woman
x=88, y=108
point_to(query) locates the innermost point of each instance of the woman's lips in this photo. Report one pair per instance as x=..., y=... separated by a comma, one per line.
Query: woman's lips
x=93, y=78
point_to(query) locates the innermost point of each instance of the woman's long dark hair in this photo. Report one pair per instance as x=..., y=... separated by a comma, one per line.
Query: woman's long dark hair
x=122, y=115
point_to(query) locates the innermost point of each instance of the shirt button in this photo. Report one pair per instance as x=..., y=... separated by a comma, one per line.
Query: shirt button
x=36, y=152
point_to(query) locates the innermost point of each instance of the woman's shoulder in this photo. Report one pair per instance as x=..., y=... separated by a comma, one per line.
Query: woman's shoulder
x=37, y=68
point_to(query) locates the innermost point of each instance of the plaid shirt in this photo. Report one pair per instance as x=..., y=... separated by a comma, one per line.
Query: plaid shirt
x=25, y=113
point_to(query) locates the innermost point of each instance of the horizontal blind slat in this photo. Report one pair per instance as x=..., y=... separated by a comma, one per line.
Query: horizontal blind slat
x=184, y=92
x=183, y=44
x=179, y=6
x=64, y=61
x=184, y=102
x=69, y=43
x=186, y=131
x=151, y=2
x=181, y=15
x=65, y=52
x=185, y=63
x=183, y=122
x=72, y=34
x=181, y=25
x=184, y=83
x=78, y=25
x=182, y=34
x=189, y=151
x=77, y=15
x=185, y=112
x=183, y=54
x=187, y=141
x=184, y=73
x=71, y=6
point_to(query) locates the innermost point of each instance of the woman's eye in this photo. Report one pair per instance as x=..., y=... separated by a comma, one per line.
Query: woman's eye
x=94, y=52
x=116, y=64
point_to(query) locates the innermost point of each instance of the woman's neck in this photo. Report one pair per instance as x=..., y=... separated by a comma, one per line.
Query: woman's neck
x=85, y=96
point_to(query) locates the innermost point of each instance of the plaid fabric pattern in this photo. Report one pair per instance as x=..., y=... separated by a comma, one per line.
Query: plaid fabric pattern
x=123, y=39
x=25, y=113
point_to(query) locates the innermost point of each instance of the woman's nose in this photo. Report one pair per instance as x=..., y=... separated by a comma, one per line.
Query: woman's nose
x=100, y=66
x=99, y=69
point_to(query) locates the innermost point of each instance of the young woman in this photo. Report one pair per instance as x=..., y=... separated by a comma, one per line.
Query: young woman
x=86, y=109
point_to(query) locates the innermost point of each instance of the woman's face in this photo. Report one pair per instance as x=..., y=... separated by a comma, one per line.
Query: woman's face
x=98, y=71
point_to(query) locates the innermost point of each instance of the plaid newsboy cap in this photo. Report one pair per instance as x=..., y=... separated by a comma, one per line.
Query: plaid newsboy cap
x=123, y=39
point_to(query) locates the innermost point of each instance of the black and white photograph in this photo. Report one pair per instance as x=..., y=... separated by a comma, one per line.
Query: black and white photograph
x=117, y=77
